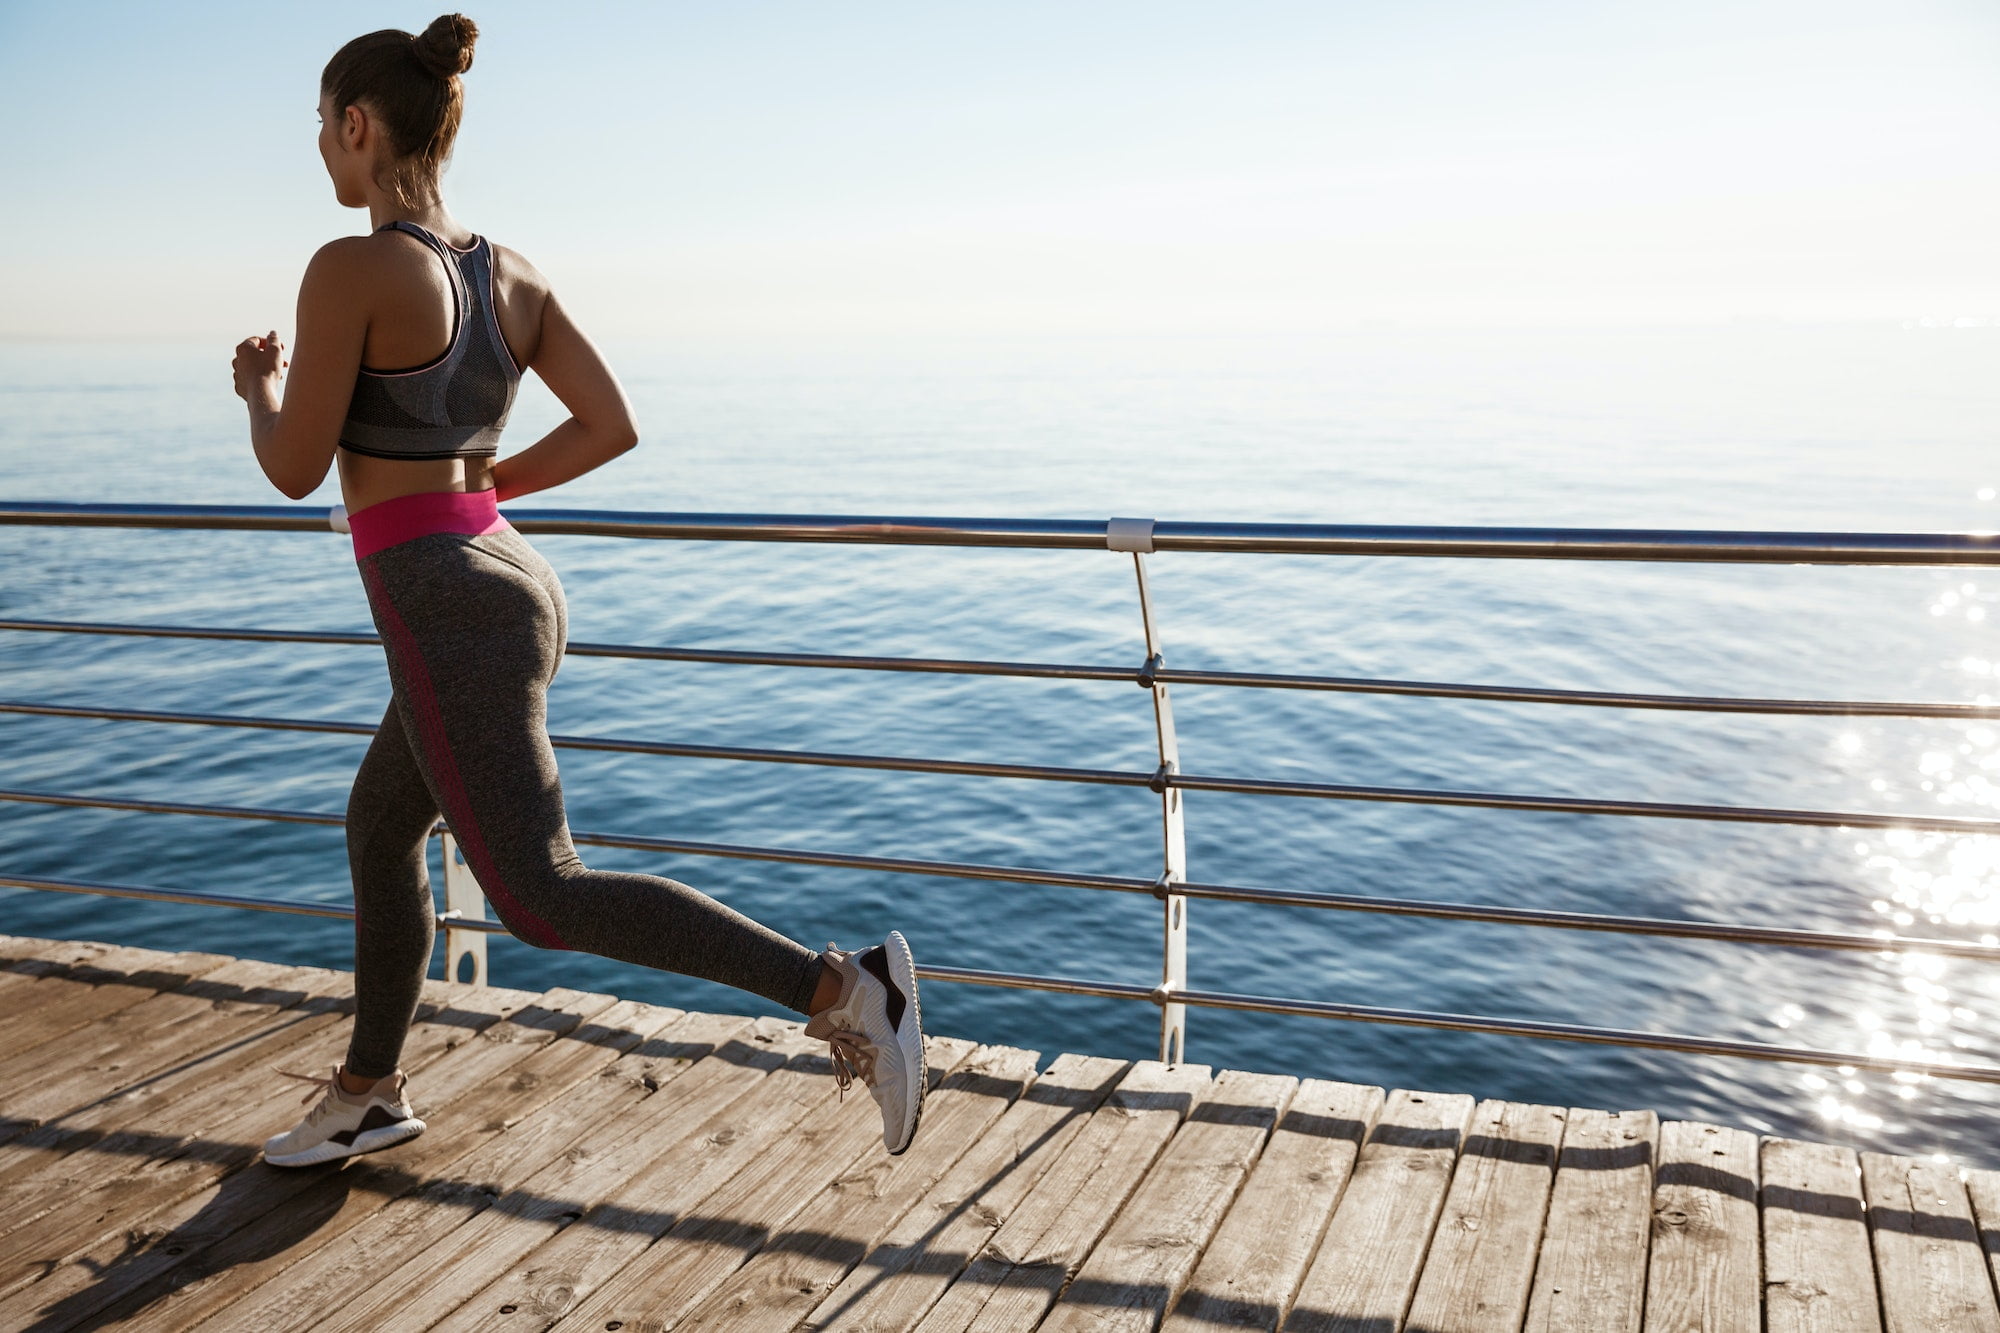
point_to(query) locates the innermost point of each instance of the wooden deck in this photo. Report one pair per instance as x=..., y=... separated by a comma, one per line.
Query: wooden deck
x=597, y=1164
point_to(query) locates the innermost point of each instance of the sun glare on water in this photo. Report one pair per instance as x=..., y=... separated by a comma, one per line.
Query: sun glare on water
x=1924, y=883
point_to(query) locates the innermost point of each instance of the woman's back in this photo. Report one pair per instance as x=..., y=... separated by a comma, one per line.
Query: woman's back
x=412, y=304
x=420, y=327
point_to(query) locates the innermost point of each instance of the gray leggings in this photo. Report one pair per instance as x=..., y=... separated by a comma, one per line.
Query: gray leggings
x=474, y=628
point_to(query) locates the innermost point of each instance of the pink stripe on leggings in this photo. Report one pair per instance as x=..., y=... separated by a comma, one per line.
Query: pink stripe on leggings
x=430, y=723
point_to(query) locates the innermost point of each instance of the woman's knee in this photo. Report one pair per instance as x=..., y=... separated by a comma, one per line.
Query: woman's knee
x=530, y=927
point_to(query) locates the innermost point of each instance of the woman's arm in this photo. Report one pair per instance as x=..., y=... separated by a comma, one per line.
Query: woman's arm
x=295, y=419
x=600, y=425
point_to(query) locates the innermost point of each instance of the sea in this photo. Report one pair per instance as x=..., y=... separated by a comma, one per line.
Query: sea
x=1769, y=425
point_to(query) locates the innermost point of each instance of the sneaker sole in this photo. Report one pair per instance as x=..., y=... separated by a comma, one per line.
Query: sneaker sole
x=910, y=1041
x=373, y=1141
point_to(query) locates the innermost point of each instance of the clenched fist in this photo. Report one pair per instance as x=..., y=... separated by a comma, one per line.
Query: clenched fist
x=258, y=361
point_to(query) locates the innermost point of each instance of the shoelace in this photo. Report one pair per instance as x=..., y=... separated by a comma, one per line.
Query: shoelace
x=322, y=1087
x=853, y=1056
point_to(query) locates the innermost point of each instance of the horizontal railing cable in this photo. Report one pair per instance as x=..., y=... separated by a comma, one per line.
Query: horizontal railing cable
x=1159, y=995
x=1581, y=805
x=1129, y=675
x=1663, y=927
x=1503, y=1027
x=290, y=906
x=140, y=805
x=1529, y=694
x=640, y=652
x=1491, y=543
x=1575, y=805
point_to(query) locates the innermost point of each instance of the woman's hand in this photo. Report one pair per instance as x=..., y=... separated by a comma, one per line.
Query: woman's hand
x=259, y=363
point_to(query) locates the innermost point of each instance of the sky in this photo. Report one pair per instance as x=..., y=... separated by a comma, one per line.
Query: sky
x=1253, y=167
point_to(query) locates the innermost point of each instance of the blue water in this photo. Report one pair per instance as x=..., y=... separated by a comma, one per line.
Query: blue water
x=1764, y=426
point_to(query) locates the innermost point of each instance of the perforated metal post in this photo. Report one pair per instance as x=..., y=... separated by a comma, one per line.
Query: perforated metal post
x=1136, y=535
x=463, y=901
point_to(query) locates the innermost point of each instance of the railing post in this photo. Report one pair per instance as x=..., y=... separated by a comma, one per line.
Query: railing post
x=462, y=901
x=1136, y=536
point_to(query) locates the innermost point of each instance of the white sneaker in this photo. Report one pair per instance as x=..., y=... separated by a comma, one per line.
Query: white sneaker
x=345, y=1124
x=875, y=1030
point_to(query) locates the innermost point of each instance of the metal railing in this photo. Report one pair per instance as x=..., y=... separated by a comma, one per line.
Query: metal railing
x=463, y=918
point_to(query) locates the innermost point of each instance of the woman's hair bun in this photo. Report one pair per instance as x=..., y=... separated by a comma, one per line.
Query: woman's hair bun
x=446, y=46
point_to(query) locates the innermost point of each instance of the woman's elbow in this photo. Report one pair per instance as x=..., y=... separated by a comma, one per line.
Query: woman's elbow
x=292, y=488
x=297, y=486
x=624, y=437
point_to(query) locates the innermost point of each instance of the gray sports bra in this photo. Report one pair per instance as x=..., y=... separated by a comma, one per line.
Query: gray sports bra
x=455, y=405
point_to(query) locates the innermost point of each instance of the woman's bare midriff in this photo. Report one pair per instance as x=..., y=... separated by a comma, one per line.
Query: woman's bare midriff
x=367, y=481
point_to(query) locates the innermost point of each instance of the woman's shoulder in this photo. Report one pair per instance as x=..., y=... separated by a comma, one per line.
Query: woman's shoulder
x=512, y=268
x=365, y=260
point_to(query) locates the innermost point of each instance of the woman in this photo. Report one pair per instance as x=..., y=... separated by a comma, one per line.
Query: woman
x=411, y=341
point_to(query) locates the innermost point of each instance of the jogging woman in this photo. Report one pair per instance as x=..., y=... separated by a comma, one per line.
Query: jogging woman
x=411, y=341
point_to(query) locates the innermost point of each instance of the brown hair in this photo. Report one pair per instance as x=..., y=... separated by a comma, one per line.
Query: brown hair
x=411, y=87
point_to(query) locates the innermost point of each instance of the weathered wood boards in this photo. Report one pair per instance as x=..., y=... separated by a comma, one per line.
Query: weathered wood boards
x=1927, y=1253
x=1027, y=1262
x=1247, y=1275
x=1482, y=1257
x=1149, y=1251
x=1705, y=1275
x=1366, y=1270
x=902, y=1277
x=1818, y=1277
x=595, y=1163
x=1591, y=1274
x=800, y=1264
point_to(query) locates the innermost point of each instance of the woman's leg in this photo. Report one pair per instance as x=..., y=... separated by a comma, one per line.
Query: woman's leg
x=473, y=629
x=390, y=814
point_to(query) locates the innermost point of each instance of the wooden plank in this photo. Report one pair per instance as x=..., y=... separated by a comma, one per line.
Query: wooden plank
x=585, y=1116
x=151, y=1119
x=261, y=1220
x=1249, y=1271
x=658, y=1288
x=286, y=1267
x=903, y=1276
x=575, y=1131
x=1481, y=1264
x=72, y=957
x=1591, y=1276
x=1705, y=1272
x=1365, y=1272
x=14, y=984
x=25, y=959
x=1024, y=1267
x=680, y=1168
x=15, y=947
x=184, y=1246
x=38, y=957
x=666, y=1111
x=1147, y=1256
x=1927, y=1256
x=800, y=1265
x=1819, y=1276
x=69, y=1110
x=221, y=1146
x=134, y=1108
x=1982, y=1189
x=160, y=1031
x=80, y=995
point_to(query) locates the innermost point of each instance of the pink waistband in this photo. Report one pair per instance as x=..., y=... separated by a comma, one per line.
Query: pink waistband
x=383, y=525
